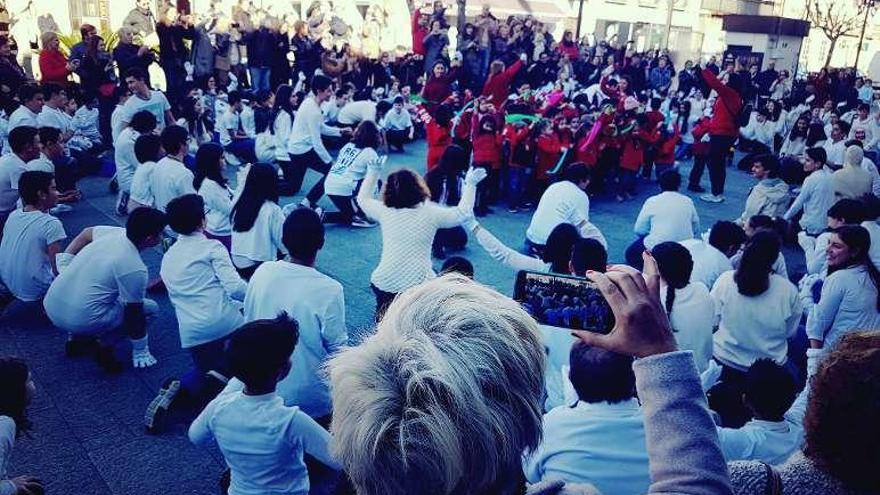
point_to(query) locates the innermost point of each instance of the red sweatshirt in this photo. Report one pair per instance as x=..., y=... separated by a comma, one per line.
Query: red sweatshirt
x=666, y=149
x=438, y=139
x=418, y=34
x=497, y=87
x=53, y=67
x=549, y=151
x=726, y=107
x=438, y=89
x=632, y=155
x=517, y=136
x=487, y=149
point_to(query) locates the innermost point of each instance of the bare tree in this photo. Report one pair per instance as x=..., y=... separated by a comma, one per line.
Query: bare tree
x=835, y=19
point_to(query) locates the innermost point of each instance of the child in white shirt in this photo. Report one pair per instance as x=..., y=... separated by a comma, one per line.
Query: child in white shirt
x=262, y=440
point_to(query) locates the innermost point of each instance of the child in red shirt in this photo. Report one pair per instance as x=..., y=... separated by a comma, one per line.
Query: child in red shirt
x=487, y=141
x=518, y=138
x=439, y=135
x=549, y=151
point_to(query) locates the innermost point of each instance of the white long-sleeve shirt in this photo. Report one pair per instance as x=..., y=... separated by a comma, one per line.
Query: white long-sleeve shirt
x=667, y=217
x=709, y=262
x=204, y=288
x=762, y=132
x=512, y=258
x=872, y=133
x=281, y=130
x=815, y=199
x=754, y=327
x=218, y=206
x=263, y=241
x=848, y=303
x=126, y=161
x=772, y=442
x=397, y=121
x=306, y=131
x=262, y=440
x=317, y=303
x=407, y=235
x=693, y=319
x=7, y=442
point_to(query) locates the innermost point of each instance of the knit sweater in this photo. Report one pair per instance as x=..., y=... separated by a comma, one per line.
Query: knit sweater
x=407, y=235
x=799, y=476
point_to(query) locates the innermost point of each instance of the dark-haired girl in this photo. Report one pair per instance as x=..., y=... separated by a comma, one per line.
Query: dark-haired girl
x=16, y=392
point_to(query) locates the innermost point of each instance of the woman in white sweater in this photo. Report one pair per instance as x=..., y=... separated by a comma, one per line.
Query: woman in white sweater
x=690, y=308
x=409, y=221
x=850, y=298
x=211, y=185
x=257, y=221
x=16, y=391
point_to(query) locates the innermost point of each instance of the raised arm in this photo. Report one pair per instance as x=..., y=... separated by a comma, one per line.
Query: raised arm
x=500, y=252
x=366, y=195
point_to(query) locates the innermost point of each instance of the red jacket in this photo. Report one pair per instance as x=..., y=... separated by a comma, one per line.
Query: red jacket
x=570, y=50
x=517, y=136
x=438, y=139
x=701, y=128
x=487, y=149
x=437, y=89
x=418, y=34
x=465, y=125
x=632, y=155
x=726, y=107
x=666, y=149
x=53, y=67
x=549, y=151
x=497, y=87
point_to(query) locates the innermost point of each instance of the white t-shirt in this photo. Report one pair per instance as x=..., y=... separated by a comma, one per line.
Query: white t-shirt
x=41, y=164
x=170, y=179
x=156, y=105
x=54, y=117
x=218, y=206
x=667, y=217
x=349, y=168
x=562, y=202
x=356, y=112
x=709, y=262
x=11, y=168
x=755, y=327
x=126, y=161
x=90, y=293
x=141, y=184
x=263, y=241
x=24, y=263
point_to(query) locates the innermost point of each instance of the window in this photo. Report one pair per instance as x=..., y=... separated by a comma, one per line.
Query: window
x=94, y=12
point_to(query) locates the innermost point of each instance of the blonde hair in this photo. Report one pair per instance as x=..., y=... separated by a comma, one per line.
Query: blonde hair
x=854, y=156
x=47, y=38
x=444, y=398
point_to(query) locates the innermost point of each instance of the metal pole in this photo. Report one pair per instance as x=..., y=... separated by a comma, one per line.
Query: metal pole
x=668, y=25
x=868, y=6
x=580, y=20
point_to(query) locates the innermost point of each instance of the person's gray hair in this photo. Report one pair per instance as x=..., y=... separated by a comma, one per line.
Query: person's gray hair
x=444, y=398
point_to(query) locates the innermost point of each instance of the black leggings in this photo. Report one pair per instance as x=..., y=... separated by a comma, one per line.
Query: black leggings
x=298, y=166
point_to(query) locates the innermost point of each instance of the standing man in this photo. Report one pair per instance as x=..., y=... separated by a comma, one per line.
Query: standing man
x=305, y=146
x=144, y=98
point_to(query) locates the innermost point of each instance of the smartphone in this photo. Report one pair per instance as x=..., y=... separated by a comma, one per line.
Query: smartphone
x=563, y=301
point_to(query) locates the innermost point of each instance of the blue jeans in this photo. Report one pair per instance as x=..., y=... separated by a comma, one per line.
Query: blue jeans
x=243, y=149
x=516, y=186
x=259, y=78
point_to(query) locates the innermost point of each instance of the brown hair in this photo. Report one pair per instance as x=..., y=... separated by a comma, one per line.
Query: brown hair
x=497, y=67
x=841, y=427
x=405, y=189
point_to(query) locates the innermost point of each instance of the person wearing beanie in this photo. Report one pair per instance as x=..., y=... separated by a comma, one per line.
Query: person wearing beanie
x=852, y=181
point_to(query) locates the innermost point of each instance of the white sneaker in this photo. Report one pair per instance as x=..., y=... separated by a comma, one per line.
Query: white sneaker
x=362, y=222
x=61, y=208
x=711, y=198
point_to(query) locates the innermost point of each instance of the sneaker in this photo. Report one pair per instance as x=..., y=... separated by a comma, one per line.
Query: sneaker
x=362, y=222
x=80, y=346
x=60, y=208
x=513, y=209
x=157, y=412
x=122, y=206
x=711, y=198
x=697, y=188
x=105, y=356
x=113, y=186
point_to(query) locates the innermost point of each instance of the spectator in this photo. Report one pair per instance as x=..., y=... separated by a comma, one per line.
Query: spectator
x=600, y=439
x=172, y=29
x=18, y=389
x=129, y=55
x=54, y=66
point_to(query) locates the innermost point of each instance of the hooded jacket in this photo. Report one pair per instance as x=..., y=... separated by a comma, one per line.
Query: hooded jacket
x=769, y=197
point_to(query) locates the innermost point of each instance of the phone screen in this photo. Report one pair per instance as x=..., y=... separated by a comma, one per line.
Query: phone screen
x=564, y=301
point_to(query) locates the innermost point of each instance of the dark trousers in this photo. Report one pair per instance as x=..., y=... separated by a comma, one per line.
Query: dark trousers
x=200, y=386
x=244, y=149
x=298, y=166
x=346, y=211
x=697, y=170
x=634, y=253
x=396, y=138
x=383, y=299
x=719, y=147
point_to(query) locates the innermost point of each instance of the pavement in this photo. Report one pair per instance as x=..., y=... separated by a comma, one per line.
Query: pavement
x=88, y=433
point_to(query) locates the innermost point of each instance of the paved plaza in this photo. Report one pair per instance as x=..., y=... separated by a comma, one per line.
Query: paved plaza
x=88, y=426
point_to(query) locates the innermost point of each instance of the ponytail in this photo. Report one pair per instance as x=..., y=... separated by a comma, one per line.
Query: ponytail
x=676, y=265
